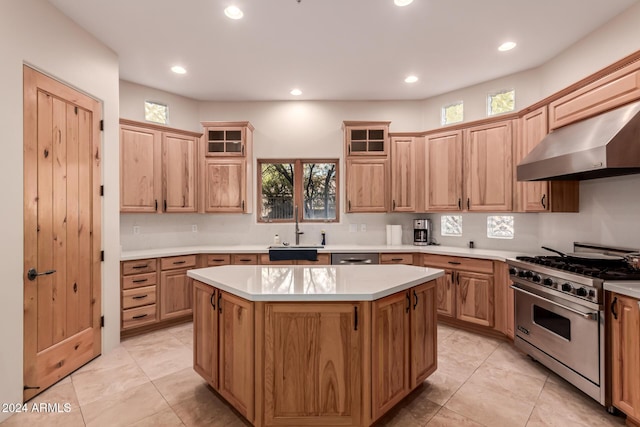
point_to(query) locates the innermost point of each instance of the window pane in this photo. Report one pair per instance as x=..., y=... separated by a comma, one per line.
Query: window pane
x=501, y=102
x=277, y=191
x=451, y=225
x=319, y=192
x=154, y=112
x=500, y=227
x=453, y=113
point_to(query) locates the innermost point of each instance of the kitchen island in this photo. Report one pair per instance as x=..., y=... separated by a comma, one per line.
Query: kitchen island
x=321, y=346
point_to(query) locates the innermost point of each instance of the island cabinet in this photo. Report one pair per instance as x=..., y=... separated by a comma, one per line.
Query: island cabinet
x=624, y=326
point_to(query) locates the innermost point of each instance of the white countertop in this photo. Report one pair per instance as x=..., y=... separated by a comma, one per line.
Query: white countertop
x=625, y=287
x=326, y=283
x=491, y=254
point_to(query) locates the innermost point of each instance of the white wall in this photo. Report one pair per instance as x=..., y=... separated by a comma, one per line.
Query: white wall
x=34, y=32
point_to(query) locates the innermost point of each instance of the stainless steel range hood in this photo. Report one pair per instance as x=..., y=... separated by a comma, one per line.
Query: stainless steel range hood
x=602, y=146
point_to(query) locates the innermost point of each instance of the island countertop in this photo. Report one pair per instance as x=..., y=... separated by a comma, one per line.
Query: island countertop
x=316, y=283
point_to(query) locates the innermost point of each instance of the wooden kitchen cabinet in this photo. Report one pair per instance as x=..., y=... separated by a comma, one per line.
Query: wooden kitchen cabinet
x=474, y=298
x=138, y=293
x=321, y=381
x=424, y=319
x=158, y=168
x=403, y=174
x=244, y=259
x=488, y=162
x=175, y=287
x=205, y=332
x=445, y=295
x=227, y=167
x=624, y=327
x=541, y=196
x=366, y=138
x=217, y=259
x=396, y=258
x=441, y=163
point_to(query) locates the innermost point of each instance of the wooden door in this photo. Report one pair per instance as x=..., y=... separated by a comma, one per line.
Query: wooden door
x=443, y=164
x=403, y=175
x=390, y=351
x=424, y=319
x=445, y=294
x=532, y=196
x=474, y=298
x=179, y=160
x=224, y=185
x=176, y=292
x=205, y=332
x=140, y=165
x=625, y=355
x=62, y=230
x=236, y=332
x=313, y=364
x=367, y=185
x=488, y=167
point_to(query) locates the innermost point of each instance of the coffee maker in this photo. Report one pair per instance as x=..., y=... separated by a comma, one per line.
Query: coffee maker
x=421, y=232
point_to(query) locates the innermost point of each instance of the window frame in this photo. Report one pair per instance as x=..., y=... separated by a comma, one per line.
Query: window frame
x=298, y=190
x=443, y=113
x=498, y=92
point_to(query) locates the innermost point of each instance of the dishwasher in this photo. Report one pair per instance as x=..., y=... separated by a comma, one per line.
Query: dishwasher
x=355, y=258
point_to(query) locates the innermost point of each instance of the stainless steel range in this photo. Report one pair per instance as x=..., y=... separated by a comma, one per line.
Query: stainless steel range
x=559, y=311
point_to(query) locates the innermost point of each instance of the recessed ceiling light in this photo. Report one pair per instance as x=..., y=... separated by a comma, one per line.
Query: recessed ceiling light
x=296, y=92
x=178, y=69
x=233, y=12
x=411, y=79
x=506, y=46
x=402, y=2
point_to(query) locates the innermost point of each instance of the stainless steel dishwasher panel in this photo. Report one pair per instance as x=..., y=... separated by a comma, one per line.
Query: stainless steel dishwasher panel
x=355, y=258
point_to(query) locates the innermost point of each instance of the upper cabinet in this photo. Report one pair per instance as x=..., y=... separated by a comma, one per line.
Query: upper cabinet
x=158, y=168
x=441, y=161
x=488, y=179
x=227, y=172
x=367, y=166
x=606, y=93
x=541, y=196
x=403, y=174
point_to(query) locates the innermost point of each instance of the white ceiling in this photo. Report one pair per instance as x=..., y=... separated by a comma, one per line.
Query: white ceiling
x=332, y=49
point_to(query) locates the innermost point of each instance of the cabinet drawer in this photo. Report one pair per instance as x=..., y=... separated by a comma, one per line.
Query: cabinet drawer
x=323, y=259
x=250, y=259
x=134, y=317
x=396, y=259
x=215, y=259
x=264, y=260
x=138, y=297
x=170, y=263
x=138, y=280
x=458, y=263
x=139, y=266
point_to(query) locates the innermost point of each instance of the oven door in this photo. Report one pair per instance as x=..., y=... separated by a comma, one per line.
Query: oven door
x=568, y=334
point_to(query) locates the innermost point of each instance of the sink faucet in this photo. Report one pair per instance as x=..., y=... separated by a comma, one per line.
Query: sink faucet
x=298, y=232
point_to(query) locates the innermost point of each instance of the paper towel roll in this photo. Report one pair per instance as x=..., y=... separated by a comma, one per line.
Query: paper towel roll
x=396, y=234
x=389, y=240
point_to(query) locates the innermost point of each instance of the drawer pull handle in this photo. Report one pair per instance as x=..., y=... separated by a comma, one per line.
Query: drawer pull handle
x=218, y=259
x=139, y=280
x=138, y=267
x=455, y=262
x=140, y=316
x=396, y=259
x=245, y=260
x=140, y=296
x=179, y=262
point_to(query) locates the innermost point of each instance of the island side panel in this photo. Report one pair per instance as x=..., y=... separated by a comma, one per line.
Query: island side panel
x=258, y=419
x=313, y=363
x=205, y=332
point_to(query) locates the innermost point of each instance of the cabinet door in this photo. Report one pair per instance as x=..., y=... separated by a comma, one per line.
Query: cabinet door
x=424, y=318
x=367, y=185
x=224, y=185
x=140, y=163
x=205, y=332
x=236, y=332
x=474, y=298
x=625, y=355
x=488, y=167
x=390, y=351
x=176, y=291
x=443, y=169
x=532, y=196
x=313, y=364
x=367, y=140
x=445, y=294
x=225, y=141
x=403, y=175
x=179, y=160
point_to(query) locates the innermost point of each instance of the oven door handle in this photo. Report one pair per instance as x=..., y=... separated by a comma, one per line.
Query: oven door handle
x=590, y=316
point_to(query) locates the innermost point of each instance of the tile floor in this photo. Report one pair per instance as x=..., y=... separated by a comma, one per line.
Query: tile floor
x=149, y=381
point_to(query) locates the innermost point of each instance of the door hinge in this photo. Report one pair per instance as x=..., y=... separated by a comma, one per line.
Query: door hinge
x=102, y=190
x=101, y=124
x=28, y=387
x=101, y=255
x=102, y=321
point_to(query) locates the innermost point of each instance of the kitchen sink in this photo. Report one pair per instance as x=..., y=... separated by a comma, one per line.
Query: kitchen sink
x=293, y=253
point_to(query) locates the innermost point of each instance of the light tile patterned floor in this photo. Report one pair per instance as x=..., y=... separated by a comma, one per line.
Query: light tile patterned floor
x=148, y=381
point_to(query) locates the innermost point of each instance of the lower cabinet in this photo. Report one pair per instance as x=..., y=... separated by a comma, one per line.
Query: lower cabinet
x=175, y=287
x=624, y=324
x=205, y=332
x=474, y=298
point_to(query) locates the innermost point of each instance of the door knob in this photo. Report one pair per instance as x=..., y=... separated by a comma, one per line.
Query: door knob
x=33, y=273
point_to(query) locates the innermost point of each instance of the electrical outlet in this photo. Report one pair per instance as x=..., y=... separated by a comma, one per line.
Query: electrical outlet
x=363, y=227
x=353, y=228
x=194, y=228
x=136, y=229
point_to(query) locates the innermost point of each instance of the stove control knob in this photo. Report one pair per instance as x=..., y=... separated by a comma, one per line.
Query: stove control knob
x=566, y=287
x=582, y=292
x=528, y=274
x=547, y=282
x=592, y=294
x=513, y=271
x=521, y=273
x=536, y=278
